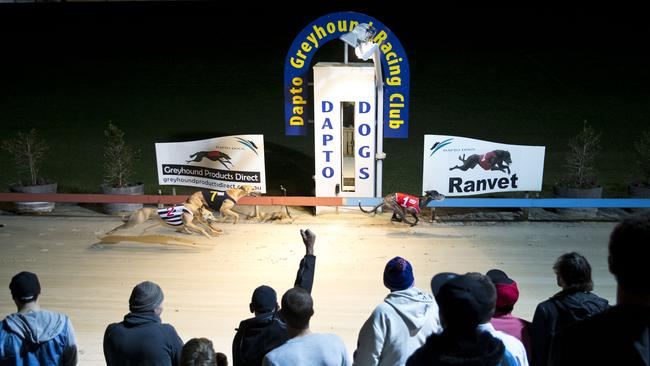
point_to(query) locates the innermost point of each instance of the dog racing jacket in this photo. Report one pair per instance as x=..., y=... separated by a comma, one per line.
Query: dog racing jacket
x=216, y=198
x=173, y=215
x=484, y=162
x=407, y=201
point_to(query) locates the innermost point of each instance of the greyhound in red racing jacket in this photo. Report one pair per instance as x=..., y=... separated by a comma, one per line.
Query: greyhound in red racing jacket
x=403, y=204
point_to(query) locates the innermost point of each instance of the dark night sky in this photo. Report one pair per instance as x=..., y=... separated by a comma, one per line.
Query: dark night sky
x=475, y=71
x=180, y=25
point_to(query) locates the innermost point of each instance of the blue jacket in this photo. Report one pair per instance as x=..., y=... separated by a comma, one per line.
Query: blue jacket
x=37, y=338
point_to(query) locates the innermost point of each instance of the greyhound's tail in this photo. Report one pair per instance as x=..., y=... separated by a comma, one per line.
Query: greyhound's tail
x=117, y=228
x=192, y=157
x=374, y=210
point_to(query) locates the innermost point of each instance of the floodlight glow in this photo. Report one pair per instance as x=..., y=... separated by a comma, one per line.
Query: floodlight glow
x=366, y=50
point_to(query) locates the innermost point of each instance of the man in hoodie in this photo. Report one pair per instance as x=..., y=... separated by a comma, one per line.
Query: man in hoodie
x=574, y=303
x=141, y=338
x=33, y=336
x=266, y=331
x=399, y=325
x=464, y=304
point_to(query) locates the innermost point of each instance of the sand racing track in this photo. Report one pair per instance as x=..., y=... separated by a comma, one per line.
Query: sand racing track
x=208, y=283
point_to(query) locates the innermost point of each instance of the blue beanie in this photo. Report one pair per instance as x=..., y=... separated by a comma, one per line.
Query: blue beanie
x=398, y=274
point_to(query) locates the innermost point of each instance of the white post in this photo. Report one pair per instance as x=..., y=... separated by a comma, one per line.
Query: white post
x=345, y=53
x=379, y=154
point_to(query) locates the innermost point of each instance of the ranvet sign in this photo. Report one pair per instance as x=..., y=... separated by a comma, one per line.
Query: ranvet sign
x=461, y=166
x=395, y=69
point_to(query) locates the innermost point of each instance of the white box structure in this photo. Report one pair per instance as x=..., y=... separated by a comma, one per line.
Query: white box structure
x=344, y=130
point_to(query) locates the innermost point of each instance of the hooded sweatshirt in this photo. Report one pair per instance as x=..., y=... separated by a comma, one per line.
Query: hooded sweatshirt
x=477, y=349
x=141, y=339
x=396, y=328
x=37, y=338
x=256, y=337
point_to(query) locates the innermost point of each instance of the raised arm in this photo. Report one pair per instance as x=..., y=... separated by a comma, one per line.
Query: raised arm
x=305, y=275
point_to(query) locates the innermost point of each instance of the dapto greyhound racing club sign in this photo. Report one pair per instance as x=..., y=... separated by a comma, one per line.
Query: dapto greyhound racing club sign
x=460, y=166
x=219, y=163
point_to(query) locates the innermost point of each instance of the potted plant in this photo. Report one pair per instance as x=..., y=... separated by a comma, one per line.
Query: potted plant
x=118, y=168
x=28, y=150
x=579, y=178
x=641, y=188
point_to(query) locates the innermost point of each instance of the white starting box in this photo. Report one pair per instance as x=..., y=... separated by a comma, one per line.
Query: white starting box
x=344, y=130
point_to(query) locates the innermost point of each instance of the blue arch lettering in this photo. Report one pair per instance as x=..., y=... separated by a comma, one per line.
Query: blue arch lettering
x=364, y=129
x=363, y=173
x=328, y=172
x=327, y=124
x=366, y=153
x=364, y=107
x=329, y=27
x=327, y=106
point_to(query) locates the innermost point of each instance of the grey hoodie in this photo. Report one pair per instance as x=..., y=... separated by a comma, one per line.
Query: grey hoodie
x=397, y=327
x=47, y=335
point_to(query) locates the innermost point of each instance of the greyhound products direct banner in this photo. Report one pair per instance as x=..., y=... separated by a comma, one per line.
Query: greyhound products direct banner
x=460, y=166
x=220, y=163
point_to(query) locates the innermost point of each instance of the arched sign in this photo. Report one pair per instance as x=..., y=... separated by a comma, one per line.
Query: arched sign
x=395, y=69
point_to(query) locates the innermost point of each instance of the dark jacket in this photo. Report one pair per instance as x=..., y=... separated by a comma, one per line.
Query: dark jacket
x=479, y=349
x=557, y=313
x=258, y=336
x=141, y=339
x=619, y=336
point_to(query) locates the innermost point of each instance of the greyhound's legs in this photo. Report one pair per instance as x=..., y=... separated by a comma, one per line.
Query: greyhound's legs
x=233, y=214
x=198, y=229
x=187, y=220
x=151, y=227
x=207, y=225
x=417, y=219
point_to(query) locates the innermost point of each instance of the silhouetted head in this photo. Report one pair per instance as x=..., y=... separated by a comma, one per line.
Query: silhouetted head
x=573, y=272
x=465, y=301
x=198, y=352
x=297, y=308
x=507, y=291
x=25, y=287
x=628, y=254
x=264, y=300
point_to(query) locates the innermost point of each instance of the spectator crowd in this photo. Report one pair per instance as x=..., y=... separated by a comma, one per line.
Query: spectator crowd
x=466, y=319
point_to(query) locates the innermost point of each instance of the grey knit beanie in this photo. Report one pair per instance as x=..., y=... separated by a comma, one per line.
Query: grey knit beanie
x=145, y=297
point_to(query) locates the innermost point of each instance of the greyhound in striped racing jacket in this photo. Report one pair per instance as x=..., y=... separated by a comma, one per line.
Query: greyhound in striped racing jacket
x=403, y=204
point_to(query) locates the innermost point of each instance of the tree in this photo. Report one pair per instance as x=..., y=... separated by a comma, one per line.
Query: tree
x=580, y=170
x=28, y=150
x=118, y=157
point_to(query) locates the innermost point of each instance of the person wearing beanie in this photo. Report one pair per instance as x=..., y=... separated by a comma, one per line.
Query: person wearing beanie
x=33, y=336
x=574, y=303
x=401, y=323
x=503, y=320
x=512, y=344
x=266, y=331
x=141, y=338
x=464, y=304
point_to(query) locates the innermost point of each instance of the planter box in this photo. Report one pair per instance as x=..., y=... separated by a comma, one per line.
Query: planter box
x=578, y=213
x=122, y=208
x=34, y=207
x=636, y=190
